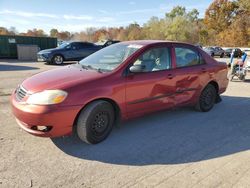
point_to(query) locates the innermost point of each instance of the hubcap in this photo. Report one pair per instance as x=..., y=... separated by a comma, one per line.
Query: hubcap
x=58, y=59
x=100, y=122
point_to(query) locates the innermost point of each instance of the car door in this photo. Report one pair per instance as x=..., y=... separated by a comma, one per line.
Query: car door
x=72, y=51
x=190, y=72
x=154, y=88
x=86, y=49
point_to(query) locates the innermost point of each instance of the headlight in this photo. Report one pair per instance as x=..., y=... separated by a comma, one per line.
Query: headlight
x=47, y=97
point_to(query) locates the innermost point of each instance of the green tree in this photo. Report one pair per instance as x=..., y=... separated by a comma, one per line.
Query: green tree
x=54, y=32
x=176, y=11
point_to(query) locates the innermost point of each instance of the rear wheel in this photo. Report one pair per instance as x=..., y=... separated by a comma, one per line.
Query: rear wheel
x=207, y=99
x=95, y=122
x=222, y=55
x=57, y=59
x=242, y=77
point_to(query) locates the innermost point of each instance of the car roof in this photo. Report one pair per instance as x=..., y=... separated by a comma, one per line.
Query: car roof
x=149, y=42
x=81, y=42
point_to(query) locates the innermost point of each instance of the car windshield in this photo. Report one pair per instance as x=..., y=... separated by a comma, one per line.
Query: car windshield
x=109, y=58
x=101, y=42
x=63, y=45
x=209, y=48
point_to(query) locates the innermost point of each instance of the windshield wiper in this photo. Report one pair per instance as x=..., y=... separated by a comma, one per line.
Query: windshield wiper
x=89, y=67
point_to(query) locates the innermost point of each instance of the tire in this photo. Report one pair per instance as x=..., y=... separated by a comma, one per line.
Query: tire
x=207, y=99
x=242, y=77
x=95, y=122
x=222, y=55
x=57, y=59
x=212, y=54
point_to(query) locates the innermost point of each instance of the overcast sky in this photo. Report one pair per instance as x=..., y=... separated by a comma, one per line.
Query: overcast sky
x=76, y=15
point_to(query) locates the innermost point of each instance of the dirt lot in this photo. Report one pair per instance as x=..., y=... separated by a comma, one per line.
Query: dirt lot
x=181, y=148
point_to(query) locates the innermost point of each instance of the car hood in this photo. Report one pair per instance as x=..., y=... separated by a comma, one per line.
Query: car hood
x=60, y=78
x=48, y=50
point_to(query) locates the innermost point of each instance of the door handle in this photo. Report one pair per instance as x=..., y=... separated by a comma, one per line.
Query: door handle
x=170, y=76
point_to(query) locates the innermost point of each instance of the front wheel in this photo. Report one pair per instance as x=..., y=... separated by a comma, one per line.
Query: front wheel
x=95, y=122
x=207, y=99
x=57, y=59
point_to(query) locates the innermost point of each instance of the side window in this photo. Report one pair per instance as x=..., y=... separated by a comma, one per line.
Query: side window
x=73, y=46
x=86, y=45
x=186, y=57
x=156, y=59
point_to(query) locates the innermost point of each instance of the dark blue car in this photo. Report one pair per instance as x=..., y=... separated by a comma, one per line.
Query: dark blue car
x=71, y=51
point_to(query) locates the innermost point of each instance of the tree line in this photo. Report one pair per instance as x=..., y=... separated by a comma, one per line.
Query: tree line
x=226, y=23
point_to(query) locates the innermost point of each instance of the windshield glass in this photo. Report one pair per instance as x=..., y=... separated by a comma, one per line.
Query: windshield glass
x=63, y=45
x=101, y=42
x=110, y=57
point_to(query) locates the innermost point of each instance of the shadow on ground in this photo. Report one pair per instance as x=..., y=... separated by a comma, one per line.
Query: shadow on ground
x=171, y=137
x=16, y=68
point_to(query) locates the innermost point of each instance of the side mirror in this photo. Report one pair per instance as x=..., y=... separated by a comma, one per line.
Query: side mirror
x=137, y=68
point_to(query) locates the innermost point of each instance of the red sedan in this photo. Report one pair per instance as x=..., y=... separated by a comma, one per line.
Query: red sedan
x=122, y=81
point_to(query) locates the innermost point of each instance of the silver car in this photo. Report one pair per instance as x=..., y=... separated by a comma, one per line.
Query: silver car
x=215, y=51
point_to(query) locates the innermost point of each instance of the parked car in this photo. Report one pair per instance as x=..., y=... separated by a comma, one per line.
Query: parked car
x=237, y=52
x=247, y=51
x=119, y=82
x=215, y=51
x=71, y=51
x=105, y=43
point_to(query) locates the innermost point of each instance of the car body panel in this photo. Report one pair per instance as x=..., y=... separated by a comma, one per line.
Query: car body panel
x=134, y=94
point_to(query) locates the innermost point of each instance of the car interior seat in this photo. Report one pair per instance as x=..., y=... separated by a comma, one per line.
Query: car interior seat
x=191, y=59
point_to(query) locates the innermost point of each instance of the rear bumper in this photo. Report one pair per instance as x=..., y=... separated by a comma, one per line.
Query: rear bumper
x=60, y=119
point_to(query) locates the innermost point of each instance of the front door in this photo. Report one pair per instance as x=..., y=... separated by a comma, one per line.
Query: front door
x=153, y=88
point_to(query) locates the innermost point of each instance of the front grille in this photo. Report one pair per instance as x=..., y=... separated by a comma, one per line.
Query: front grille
x=21, y=93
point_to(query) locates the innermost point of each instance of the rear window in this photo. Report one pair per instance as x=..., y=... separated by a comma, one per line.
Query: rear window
x=186, y=57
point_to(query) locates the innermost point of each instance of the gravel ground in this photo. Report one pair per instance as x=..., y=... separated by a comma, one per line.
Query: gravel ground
x=180, y=148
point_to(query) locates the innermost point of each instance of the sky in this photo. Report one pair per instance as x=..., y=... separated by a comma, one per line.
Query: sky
x=77, y=15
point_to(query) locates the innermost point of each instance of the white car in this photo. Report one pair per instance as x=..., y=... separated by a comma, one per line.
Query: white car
x=248, y=64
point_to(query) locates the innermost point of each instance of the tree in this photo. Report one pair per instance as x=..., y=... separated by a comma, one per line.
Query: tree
x=4, y=31
x=176, y=11
x=155, y=29
x=54, y=32
x=64, y=35
x=220, y=15
x=181, y=25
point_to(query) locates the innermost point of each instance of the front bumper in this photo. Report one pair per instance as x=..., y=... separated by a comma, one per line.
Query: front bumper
x=42, y=57
x=59, y=118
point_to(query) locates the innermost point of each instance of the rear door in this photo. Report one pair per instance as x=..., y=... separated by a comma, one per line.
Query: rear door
x=86, y=49
x=191, y=72
x=153, y=89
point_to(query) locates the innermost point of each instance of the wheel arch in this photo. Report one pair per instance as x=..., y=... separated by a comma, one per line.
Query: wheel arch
x=111, y=101
x=58, y=54
x=215, y=84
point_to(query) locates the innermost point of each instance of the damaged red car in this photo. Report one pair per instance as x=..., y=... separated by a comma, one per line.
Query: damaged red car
x=120, y=82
